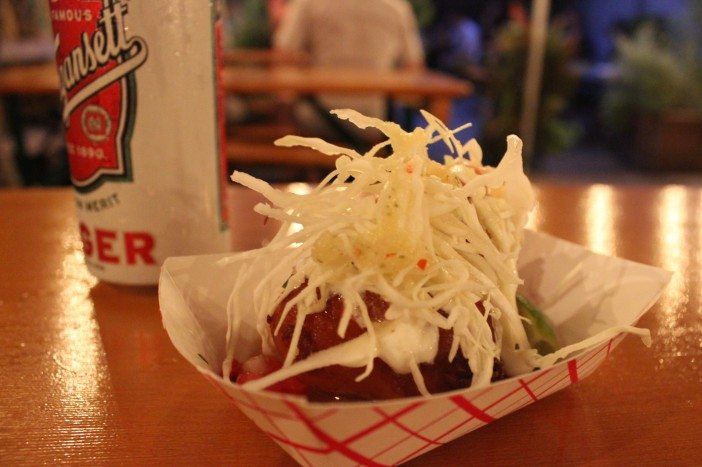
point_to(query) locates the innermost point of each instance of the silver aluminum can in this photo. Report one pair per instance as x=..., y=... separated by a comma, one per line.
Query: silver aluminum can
x=143, y=117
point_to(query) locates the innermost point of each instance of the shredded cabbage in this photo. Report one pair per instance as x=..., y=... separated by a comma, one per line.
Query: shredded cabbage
x=439, y=242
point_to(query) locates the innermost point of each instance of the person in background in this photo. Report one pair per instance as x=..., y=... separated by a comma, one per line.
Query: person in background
x=276, y=11
x=248, y=23
x=455, y=43
x=376, y=35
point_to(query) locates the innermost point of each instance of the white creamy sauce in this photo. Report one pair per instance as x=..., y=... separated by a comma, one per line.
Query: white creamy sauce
x=405, y=339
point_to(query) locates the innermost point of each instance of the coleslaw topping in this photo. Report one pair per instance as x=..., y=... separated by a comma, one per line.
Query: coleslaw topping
x=439, y=242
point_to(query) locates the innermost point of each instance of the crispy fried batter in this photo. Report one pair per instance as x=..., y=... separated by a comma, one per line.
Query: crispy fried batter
x=319, y=332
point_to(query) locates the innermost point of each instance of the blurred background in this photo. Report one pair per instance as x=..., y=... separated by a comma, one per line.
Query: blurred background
x=602, y=91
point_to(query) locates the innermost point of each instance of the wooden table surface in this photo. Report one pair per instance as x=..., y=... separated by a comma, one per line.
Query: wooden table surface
x=89, y=375
x=343, y=81
x=436, y=89
x=263, y=57
x=43, y=79
x=33, y=79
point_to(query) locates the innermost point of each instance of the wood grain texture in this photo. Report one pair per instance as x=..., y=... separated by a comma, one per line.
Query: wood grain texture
x=36, y=79
x=263, y=57
x=343, y=81
x=43, y=79
x=87, y=373
x=264, y=153
x=434, y=90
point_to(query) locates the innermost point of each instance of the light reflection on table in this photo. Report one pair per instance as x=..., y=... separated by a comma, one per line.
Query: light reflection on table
x=601, y=215
x=80, y=379
x=675, y=205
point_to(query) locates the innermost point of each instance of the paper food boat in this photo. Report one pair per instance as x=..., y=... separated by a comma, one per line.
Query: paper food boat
x=603, y=292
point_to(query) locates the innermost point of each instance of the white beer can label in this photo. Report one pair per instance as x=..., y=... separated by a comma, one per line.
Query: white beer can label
x=144, y=126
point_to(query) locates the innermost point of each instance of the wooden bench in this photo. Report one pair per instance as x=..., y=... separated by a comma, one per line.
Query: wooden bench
x=256, y=153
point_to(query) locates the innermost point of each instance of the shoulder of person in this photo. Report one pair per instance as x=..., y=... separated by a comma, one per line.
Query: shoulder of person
x=402, y=7
x=301, y=4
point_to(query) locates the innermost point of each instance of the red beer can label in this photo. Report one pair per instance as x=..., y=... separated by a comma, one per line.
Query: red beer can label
x=97, y=59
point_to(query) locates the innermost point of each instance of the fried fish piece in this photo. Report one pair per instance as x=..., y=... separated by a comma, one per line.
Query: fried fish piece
x=337, y=382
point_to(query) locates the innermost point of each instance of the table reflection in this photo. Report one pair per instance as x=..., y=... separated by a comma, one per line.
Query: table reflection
x=674, y=248
x=535, y=216
x=678, y=324
x=601, y=214
x=79, y=373
x=298, y=189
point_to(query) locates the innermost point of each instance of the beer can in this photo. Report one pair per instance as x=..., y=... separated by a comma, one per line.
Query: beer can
x=143, y=117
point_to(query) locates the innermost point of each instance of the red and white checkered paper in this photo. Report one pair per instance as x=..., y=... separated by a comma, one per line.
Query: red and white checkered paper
x=605, y=292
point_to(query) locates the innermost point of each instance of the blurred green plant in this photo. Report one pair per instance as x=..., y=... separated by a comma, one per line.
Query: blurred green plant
x=252, y=28
x=506, y=67
x=424, y=11
x=657, y=74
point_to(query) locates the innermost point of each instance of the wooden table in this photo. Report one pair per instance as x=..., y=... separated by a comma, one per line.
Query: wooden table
x=89, y=375
x=263, y=57
x=30, y=80
x=430, y=90
x=437, y=89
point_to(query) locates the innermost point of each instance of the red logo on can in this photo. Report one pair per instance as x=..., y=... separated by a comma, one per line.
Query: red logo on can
x=96, y=62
